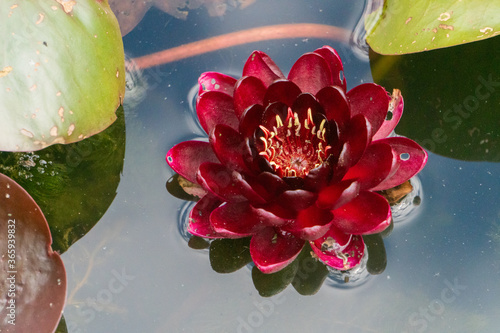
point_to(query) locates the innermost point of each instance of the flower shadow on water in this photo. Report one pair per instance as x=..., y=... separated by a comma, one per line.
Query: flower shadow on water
x=306, y=273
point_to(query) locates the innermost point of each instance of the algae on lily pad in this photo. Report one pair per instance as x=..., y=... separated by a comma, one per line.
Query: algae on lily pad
x=74, y=184
x=62, y=73
x=408, y=26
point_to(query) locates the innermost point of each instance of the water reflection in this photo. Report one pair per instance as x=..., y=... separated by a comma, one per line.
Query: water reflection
x=357, y=42
x=441, y=241
x=451, y=98
x=130, y=12
x=352, y=278
x=136, y=86
x=407, y=208
x=306, y=274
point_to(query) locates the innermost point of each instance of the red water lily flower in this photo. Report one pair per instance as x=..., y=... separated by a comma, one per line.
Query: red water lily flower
x=295, y=159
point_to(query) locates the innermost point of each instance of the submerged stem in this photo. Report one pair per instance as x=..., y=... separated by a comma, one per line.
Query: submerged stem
x=281, y=31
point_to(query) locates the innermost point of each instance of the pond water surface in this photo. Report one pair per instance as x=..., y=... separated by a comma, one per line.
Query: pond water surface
x=134, y=272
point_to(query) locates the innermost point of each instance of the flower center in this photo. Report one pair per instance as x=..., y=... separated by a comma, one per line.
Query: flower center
x=295, y=146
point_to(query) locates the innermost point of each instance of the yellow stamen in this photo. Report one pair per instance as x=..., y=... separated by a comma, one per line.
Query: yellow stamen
x=279, y=122
x=322, y=125
x=296, y=121
x=265, y=142
x=321, y=134
x=308, y=121
x=265, y=130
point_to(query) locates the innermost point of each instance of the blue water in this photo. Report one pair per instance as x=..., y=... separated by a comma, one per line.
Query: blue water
x=133, y=272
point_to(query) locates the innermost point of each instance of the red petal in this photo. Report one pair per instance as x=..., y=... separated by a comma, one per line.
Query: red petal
x=213, y=81
x=370, y=100
x=410, y=159
x=226, y=184
x=368, y=211
x=186, y=157
x=334, y=103
x=303, y=103
x=240, y=219
x=199, y=217
x=318, y=177
x=285, y=214
x=374, y=166
x=337, y=195
x=235, y=220
x=343, y=163
x=250, y=120
x=311, y=73
x=339, y=250
x=249, y=90
x=231, y=148
x=263, y=67
x=214, y=107
x=281, y=91
x=273, y=183
x=311, y=223
x=393, y=115
x=294, y=183
x=220, y=181
x=272, y=250
x=274, y=109
x=296, y=200
x=258, y=188
x=334, y=63
x=356, y=136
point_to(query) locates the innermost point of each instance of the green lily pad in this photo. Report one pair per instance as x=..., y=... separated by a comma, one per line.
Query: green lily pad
x=451, y=97
x=62, y=73
x=62, y=328
x=406, y=26
x=32, y=276
x=74, y=184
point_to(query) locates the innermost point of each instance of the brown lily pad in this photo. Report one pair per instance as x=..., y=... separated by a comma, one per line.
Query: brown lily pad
x=32, y=276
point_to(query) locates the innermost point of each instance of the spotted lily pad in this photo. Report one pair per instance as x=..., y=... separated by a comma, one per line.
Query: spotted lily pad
x=406, y=26
x=74, y=184
x=62, y=73
x=32, y=276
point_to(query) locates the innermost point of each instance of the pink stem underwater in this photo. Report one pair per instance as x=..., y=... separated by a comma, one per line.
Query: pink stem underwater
x=281, y=31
